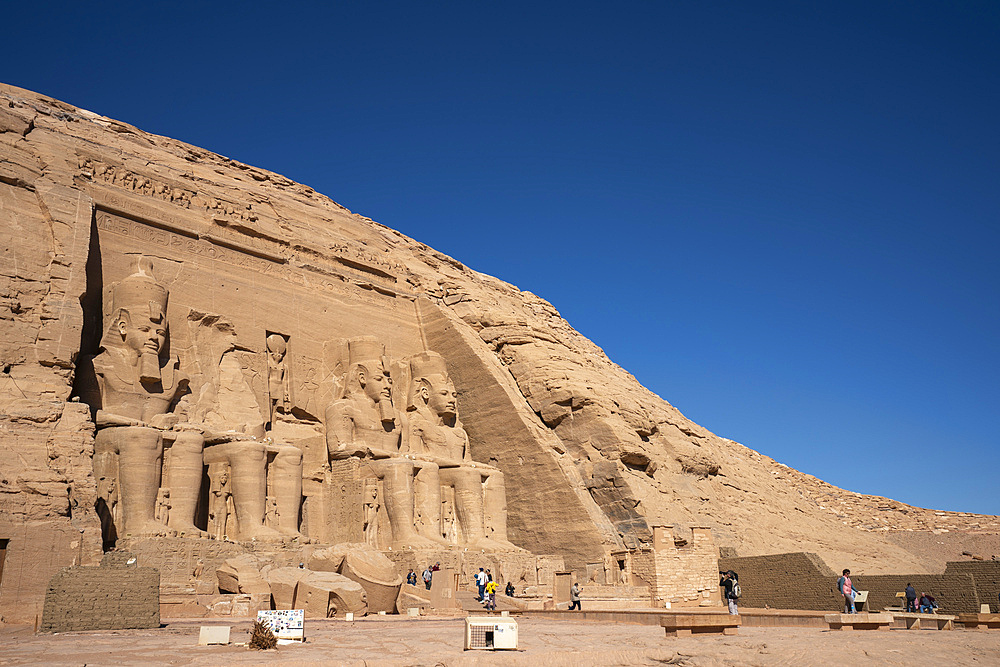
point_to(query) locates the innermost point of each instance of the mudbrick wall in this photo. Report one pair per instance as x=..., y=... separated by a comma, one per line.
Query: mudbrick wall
x=111, y=597
x=804, y=581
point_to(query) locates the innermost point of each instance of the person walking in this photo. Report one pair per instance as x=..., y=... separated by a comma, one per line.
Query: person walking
x=730, y=590
x=481, y=584
x=911, y=598
x=491, y=595
x=427, y=576
x=846, y=588
x=574, y=597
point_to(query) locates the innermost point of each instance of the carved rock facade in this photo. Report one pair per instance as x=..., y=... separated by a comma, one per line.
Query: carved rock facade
x=201, y=359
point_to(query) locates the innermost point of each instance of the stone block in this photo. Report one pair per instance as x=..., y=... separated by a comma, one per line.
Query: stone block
x=213, y=634
x=282, y=582
x=328, y=594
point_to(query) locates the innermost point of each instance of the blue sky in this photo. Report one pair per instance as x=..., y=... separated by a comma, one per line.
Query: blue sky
x=782, y=217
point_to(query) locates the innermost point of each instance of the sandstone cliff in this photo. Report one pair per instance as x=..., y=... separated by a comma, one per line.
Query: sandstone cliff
x=592, y=459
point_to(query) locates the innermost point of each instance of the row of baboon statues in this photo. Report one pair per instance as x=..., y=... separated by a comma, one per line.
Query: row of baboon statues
x=150, y=462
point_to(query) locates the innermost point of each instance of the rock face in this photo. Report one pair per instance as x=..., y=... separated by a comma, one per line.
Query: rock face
x=193, y=347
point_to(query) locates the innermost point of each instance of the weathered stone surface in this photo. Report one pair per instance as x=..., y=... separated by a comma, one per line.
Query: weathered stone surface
x=327, y=594
x=266, y=286
x=377, y=575
x=242, y=575
x=282, y=581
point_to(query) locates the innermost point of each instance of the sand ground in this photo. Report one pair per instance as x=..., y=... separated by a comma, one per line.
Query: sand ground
x=549, y=643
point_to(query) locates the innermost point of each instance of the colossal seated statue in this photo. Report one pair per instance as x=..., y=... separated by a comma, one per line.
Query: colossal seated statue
x=132, y=384
x=435, y=434
x=363, y=425
x=255, y=483
x=148, y=462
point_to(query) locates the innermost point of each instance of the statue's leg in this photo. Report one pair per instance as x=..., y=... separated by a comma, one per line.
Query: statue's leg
x=397, y=483
x=248, y=480
x=495, y=507
x=427, y=501
x=140, y=457
x=495, y=510
x=183, y=478
x=468, y=501
x=287, y=488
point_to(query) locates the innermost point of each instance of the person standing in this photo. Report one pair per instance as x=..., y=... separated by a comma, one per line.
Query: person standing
x=574, y=597
x=481, y=584
x=730, y=590
x=427, y=576
x=411, y=577
x=491, y=595
x=911, y=598
x=846, y=588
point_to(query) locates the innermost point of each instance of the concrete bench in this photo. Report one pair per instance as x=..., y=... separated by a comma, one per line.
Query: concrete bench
x=858, y=621
x=680, y=625
x=980, y=621
x=913, y=621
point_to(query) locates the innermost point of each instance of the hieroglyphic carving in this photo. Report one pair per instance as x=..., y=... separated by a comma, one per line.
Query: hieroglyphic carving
x=182, y=242
x=348, y=255
x=122, y=177
x=178, y=236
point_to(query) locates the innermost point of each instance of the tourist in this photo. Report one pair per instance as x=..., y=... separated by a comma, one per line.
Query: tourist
x=574, y=598
x=411, y=577
x=911, y=598
x=481, y=584
x=509, y=591
x=489, y=575
x=427, y=576
x=729, y=584
x=491, y=595
x=846, y=588
x=927, y=603
x=437, y=567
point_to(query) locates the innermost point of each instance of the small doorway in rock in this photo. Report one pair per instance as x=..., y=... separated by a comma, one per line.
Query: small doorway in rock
x=3, y=556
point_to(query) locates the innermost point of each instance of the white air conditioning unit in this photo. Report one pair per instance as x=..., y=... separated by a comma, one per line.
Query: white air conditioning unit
x=490, y=632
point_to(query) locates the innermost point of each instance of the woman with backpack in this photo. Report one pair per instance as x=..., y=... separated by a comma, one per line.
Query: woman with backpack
x=730, y=585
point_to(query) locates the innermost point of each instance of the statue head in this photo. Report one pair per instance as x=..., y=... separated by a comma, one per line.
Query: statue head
x=139, y=321
x=369, y=373
x=276, y=347
x=430, y=385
